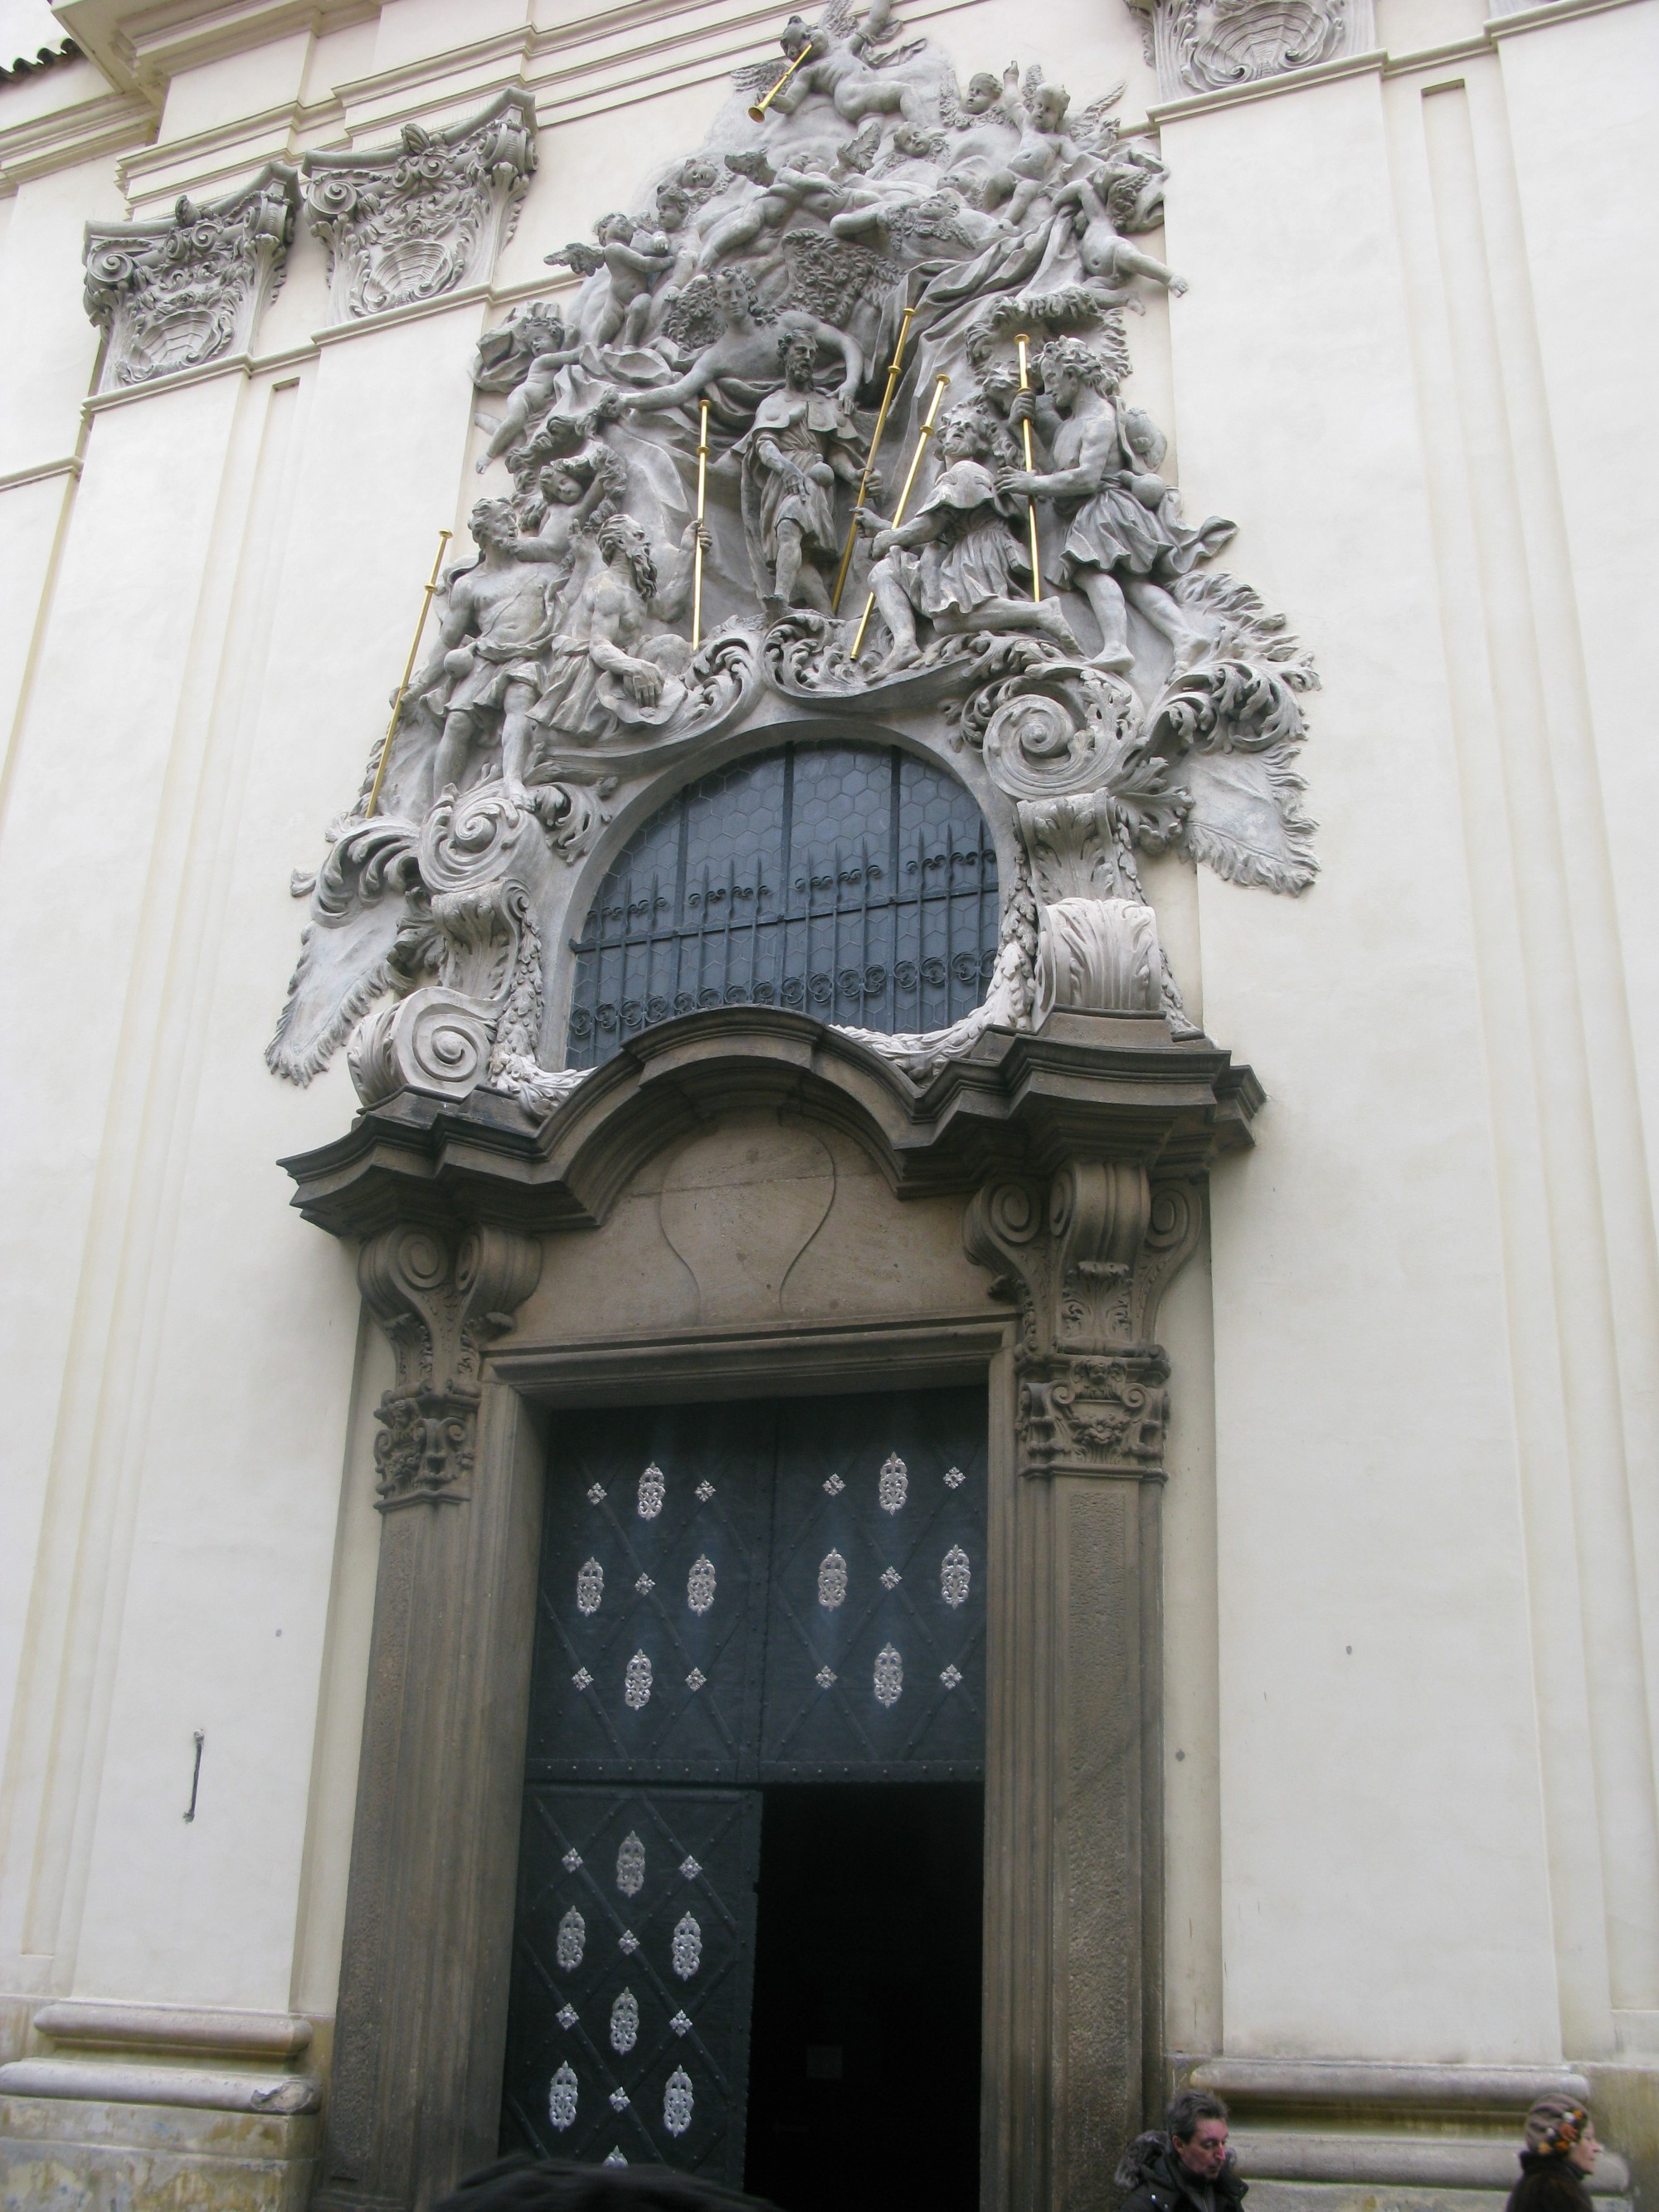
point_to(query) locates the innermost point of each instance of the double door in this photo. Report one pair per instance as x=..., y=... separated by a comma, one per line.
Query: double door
x=734, y=1600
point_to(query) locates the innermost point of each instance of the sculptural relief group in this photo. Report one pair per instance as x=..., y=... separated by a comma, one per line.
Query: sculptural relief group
x=837, y=413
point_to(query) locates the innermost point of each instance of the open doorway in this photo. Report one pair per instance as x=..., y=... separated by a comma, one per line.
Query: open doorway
x=864, y=2080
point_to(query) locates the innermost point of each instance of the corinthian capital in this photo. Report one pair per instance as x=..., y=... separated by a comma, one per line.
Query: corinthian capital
x=176, y=293
x=1208, y=46
x=416, y=220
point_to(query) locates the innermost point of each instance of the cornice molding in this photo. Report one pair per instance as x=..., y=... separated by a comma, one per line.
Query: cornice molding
x=108, y=123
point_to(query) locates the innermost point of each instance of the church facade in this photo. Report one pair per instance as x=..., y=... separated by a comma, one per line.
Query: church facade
x=840, y=1336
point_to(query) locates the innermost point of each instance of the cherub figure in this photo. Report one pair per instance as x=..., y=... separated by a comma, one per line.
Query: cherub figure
x=611, y=663
x=489, y=655
x=635, y=258
x=809, y=180
x=1107, y=256
x=1039, y=156
x=533, y=395
x=505, y=354
x=1122, y=541
x=954, y=560
x=842, y=66
x=801, y=443
x=746, y=350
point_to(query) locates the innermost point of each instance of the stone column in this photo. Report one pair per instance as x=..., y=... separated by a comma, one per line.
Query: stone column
x=416, y=2094
x=1074, y=1821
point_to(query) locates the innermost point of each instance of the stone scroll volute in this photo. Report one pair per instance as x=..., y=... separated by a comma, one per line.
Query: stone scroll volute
x=442, y=1298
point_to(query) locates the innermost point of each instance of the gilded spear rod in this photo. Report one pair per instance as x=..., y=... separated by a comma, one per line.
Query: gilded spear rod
x=939, y=383
x=869, y=459
x=444, y=537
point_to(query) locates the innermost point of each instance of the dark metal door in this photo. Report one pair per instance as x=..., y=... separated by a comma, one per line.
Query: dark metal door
x=730, y=1596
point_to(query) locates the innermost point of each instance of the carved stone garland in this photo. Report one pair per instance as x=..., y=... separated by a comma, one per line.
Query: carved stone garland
x=441, y=1300
x=183, y=290
x=415, y=221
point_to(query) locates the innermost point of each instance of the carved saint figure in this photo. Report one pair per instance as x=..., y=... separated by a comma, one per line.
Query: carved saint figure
x=953, y=561
x=1122, y=541
x=612, y=662
x=746, y=350
x=801, y=443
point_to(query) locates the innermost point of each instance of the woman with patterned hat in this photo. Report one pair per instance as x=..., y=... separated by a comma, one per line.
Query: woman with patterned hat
x=1559, y=2158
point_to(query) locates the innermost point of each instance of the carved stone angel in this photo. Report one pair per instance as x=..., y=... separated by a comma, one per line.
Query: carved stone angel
x=843, y=65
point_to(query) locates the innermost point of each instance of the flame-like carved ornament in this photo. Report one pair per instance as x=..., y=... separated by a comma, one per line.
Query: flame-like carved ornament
x=630, y=1865
x=889, y=1675
x=677, y=2102
x=832, y=1581
x=954, y=1577
x=590, y=1586
x=636, y=1681
x=685, y=1947
x=562, y=2098
x=625, y=2021
x=892, y=1484
x=653, y=1491
x=700, y=1583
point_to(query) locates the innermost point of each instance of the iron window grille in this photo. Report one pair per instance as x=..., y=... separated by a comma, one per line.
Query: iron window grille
x=853, y=882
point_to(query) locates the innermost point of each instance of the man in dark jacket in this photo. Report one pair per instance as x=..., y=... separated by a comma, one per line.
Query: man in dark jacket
x=1189, y=2168
x=1560, y=2157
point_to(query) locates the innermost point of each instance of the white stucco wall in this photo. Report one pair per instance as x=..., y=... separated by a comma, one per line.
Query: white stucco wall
x=1406, y=1634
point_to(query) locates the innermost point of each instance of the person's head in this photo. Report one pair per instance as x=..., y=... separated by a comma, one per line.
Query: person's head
x=493, y=522
x=622, y=538
x=1049, y=105
x=999, y=381
x=983, y=92
x=557, y=486
x=964, y=434
x=798, y=354
x=1069, y=368
x=1560, y=2127
x=613, y=229
x=915, y=144
x=673, y=207
x=796, y=37
x=1197, y=2121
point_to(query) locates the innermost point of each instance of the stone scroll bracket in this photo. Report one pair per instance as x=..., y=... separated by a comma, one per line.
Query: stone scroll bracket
x=182, y=290
x=441, y=1297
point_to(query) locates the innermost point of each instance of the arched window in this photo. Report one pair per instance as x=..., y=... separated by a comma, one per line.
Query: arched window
x=854, y=882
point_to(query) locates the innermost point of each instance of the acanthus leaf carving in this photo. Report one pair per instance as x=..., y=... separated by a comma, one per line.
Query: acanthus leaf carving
x=413, y=222
x=178, y=292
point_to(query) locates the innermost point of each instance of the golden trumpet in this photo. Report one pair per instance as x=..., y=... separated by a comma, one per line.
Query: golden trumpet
x=696, y=565
x=757, y=112
x=444, y=537
x=1022, y=341
x=939, y=383
x=869, y=459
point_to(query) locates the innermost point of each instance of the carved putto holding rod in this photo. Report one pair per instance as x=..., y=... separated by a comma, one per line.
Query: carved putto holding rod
x=834, y=421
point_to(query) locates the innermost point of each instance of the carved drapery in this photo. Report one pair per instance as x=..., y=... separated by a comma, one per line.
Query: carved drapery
x=441, y=1299
x=178, y=292
x=420, y=219
x=1209, y=45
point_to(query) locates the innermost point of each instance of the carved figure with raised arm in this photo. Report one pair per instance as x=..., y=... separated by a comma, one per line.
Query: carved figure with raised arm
x=614, y=661
x=809, y=180
x=745, y=352
x=954, y=560
x=635, y=260
x=533, y=395
x=1107, y=256
x=842, y=66
x=1122, y=542
x=487, y=661
x=801, y=443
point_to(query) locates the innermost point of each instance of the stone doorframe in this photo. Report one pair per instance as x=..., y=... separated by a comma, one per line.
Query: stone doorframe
x=1082, y=1153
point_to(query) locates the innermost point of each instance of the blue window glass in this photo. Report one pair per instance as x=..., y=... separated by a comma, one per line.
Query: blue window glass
x=855, y=882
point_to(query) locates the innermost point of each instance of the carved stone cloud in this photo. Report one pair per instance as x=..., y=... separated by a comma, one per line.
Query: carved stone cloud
x=415, y=221
x=182, y=290
x=1208, y=45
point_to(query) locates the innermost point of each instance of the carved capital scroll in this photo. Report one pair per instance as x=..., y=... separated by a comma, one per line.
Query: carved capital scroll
x=416, y=220
x=1208, y=46
x=1087, y=1255
x=180, y=291
x=442, y=1300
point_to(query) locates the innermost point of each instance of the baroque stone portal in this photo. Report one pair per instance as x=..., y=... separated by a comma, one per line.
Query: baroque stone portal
x=835, y=422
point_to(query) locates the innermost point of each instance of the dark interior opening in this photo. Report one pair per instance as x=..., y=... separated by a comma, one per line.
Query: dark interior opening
x=864, y=2077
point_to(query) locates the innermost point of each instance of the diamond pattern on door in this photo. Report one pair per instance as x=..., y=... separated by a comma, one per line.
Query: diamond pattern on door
x=875, y=1661
x=640, y=2044
x=652, y=1604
